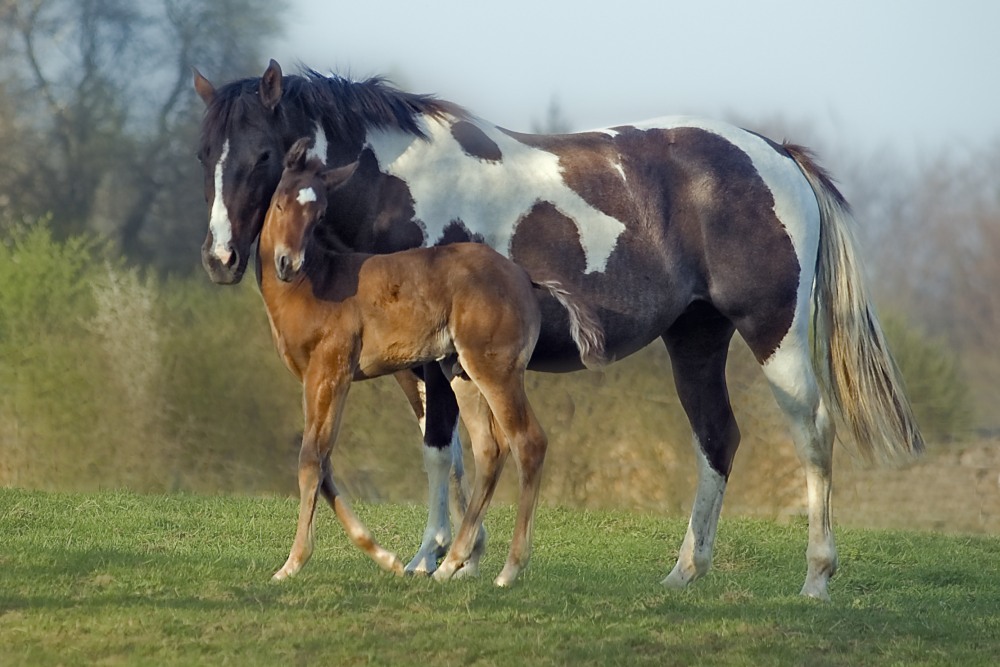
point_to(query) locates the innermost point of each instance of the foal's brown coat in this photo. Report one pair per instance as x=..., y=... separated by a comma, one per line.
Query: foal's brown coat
x=353, y=316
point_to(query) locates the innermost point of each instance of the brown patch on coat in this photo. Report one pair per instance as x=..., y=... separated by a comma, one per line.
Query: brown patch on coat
x=475, y=143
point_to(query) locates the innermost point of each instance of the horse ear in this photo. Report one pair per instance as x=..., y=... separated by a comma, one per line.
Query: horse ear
x=297, y=155
x=270, y=86
x=335, y=178
x=204, y=87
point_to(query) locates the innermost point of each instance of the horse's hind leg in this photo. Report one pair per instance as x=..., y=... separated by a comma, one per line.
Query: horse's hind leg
x=698, y=344
x=790, y=373
x=528, y=443
x=489, y=455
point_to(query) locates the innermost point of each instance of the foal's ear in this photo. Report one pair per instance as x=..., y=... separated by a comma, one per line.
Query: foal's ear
x=270, y=86
x=335, y=178
x=298, y=154
x=204, y=87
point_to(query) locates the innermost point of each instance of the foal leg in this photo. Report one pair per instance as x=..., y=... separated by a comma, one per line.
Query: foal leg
x=528, y=442
x=356, y=531
x=323, y=402
x=489, y=456
x=698, y=344
x=790, y=373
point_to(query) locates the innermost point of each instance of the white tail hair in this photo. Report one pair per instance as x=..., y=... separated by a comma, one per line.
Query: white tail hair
x=857, y=372
x=584, y=327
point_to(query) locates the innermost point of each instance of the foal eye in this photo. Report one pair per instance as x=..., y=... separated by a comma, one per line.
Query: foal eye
x=264, y=157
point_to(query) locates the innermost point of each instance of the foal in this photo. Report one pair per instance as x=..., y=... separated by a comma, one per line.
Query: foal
x=338, y=317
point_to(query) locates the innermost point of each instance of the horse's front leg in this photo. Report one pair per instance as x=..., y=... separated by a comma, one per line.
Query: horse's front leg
x=357, y=531
x=325, y=387
x=437, y=413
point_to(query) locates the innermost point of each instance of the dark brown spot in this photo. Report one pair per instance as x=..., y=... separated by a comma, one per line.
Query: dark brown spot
x=544, y=236
x=475, y=143
x=456, y=232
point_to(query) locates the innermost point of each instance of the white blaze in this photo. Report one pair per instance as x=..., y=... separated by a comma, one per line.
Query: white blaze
x=488, y=197
x=219, y=224
x=306, y=195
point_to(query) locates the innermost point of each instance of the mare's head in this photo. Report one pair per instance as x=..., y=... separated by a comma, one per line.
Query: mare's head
x=298, y=203
x=244, y=134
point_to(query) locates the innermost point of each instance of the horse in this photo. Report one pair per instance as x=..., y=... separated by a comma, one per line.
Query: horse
x=337, y=317
x=681, y=229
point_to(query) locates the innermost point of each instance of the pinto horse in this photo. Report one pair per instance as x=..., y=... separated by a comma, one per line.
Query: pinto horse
x=682, y=229
x=337, y=317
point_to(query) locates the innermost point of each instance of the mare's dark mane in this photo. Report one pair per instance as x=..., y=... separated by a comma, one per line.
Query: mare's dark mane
x=347, y=108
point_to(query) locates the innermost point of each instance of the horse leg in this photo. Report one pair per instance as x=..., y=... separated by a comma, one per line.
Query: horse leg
x=324, y=406
x=437, y=464
x=356, y=531
x=698, y=343
x=527, y=441
x=790, y=372
x=323, y=402
x=437, y=412
x=489, y=456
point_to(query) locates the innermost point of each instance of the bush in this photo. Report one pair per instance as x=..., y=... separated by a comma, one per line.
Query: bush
x=111, y=379
x=939, y=393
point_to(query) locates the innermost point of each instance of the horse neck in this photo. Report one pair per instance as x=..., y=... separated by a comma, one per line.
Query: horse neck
x=371, y=193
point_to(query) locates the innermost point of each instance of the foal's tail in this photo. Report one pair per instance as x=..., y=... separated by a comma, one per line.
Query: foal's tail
x=856, y=369
x=584, y=327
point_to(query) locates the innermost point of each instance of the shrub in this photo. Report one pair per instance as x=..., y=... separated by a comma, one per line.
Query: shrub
x=939, y=393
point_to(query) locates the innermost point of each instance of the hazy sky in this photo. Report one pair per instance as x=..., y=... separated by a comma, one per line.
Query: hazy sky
x=913, y=75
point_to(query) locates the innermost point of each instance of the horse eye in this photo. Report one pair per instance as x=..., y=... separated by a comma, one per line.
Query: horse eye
x=264, y=157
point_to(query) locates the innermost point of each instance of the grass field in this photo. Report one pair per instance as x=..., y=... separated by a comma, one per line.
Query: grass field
x=117, y=578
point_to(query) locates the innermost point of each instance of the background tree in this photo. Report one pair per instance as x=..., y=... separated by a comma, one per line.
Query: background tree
x=99, y=115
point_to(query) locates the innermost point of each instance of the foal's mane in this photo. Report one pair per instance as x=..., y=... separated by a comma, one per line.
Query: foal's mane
x=349, y=108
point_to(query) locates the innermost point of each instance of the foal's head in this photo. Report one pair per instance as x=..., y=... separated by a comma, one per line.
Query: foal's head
x=297, y=205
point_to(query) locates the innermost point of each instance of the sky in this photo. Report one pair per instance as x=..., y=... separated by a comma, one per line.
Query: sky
x=914, y=76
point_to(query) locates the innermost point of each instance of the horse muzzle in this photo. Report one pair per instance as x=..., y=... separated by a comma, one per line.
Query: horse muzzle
x=286, y=265
x=224, y=265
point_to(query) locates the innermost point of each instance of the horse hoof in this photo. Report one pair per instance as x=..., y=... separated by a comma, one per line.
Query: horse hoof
x=396, y=567
x=675, y=581
x=421, y=566
x=815, y=592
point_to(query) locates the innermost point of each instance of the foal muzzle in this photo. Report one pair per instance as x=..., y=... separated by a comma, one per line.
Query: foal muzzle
x=287, y=265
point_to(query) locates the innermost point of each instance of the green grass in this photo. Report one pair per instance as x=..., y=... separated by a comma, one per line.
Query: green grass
x=117, y=578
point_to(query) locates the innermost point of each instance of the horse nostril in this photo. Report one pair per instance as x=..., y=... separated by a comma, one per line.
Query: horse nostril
x=232, y=260
x=282, y=264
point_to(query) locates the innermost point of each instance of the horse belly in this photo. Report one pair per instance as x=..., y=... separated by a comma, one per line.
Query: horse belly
x=387, y=351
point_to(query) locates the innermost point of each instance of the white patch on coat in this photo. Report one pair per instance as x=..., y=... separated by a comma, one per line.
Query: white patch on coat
x=219, y=224
x=306, y=195
x=320, y=144
x=488, y=197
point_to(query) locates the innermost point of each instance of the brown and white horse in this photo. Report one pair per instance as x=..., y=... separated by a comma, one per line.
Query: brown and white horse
x=682, y=229
x=337, y=317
